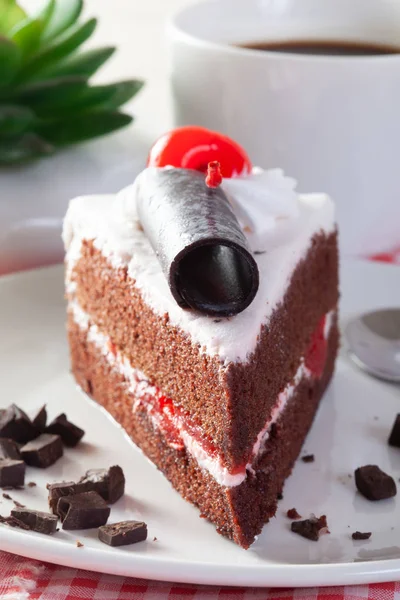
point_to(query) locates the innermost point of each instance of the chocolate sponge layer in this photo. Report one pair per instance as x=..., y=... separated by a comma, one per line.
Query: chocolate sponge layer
x=238, y=513
x=229, y=402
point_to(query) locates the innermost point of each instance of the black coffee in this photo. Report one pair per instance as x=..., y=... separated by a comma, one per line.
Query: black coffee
x=323, y=47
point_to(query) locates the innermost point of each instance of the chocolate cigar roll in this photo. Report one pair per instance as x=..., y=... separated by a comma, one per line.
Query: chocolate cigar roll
x=198, y=241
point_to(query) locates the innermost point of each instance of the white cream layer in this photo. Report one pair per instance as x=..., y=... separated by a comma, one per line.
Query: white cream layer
x=139, y=387
x=278, y=223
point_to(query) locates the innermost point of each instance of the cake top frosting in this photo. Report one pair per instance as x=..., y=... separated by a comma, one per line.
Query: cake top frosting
x=278, y=223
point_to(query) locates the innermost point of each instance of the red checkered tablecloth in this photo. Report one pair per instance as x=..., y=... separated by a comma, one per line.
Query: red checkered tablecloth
x=25, y=579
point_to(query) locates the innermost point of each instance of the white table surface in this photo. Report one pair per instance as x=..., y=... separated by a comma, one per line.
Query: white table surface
x=33, y=199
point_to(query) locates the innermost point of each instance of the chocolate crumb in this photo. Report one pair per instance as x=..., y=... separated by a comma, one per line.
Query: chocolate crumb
x=257, y=252
x=293, y=514
x=32, y=484
x=155, y=539
x=217, y=320
x=79, y=544
x=6, y=496
x=358, y=535
x=18, y=504
x=308, y=458
x=310, y=528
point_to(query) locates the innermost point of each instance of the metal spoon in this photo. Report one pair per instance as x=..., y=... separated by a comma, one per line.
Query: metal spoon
x=374, y=343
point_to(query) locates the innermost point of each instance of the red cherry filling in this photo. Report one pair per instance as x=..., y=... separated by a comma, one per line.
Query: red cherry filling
x=195, y=147
x=317, y=351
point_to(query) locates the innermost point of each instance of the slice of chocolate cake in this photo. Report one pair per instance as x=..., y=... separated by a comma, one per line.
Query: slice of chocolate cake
x=208, y=329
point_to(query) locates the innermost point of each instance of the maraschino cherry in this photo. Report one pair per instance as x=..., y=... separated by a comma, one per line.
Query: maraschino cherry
x=195, y=147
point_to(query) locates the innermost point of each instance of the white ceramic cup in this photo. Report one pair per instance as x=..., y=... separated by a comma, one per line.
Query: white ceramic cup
x=332, y=122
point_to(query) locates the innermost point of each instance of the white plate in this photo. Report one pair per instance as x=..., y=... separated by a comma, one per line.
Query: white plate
x=351, y=430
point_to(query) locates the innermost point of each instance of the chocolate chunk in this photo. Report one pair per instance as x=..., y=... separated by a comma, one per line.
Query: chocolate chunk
x=14, y=522
x=36, y=520
x=83, y=511
x=374, y=484
x=358, y=535
x=123, y=533
x=394, y=438
x=109, y=483
x=16, y=425
x=9, y=449
x=70, y=434
x=12, y=473
x=293, y=514
x=308, y=458
x=6, y=496
x=61, y=490
x=43, y=452
x=280, y=496
x=41, y=419
x=197, y=238
x=310, y=528
x=32, y=484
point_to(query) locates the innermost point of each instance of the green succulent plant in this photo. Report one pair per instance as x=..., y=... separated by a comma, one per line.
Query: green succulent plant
x=46, y=99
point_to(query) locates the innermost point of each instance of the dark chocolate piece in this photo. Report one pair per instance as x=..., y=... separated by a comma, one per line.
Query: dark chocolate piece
x=293, y=514
x=374, y=484
x=60, y=490
x=123, y=533
x=9, y=449
x=394, y=438
x=83, y=511
x=43, y=452
x=12, y=473
x=358, y=535
x=310, y=528
x=41, y=419
x=198, y=241
x=6, y=496
x=16, y=425
x=14, y=522
x=70, y=434
x=109, y=483
x=280, y=496
x=36, y=520
x=308, y=458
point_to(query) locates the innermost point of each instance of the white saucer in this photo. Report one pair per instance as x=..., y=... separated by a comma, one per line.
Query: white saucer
x=351, y=429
